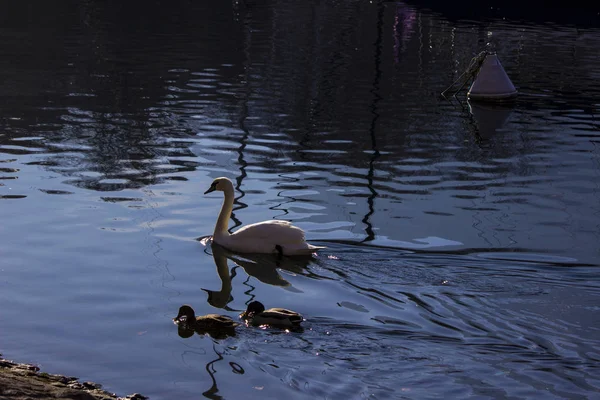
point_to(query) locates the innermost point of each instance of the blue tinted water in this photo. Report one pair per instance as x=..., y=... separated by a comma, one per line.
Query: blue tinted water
x=462, y=239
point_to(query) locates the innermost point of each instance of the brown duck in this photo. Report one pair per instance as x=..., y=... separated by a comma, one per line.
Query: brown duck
x=256, y=314
x=203, y=323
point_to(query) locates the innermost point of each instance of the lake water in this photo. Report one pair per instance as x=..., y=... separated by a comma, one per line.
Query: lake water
x=463, y=240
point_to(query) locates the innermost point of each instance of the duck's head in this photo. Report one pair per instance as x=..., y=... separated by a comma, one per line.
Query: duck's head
x=186, y=315
x=256, y=307
x=220, y=184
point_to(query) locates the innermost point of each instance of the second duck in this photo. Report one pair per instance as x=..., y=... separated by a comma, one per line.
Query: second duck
x=256, y=314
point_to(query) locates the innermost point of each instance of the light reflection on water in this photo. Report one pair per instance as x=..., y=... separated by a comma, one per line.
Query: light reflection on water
x=462, y=239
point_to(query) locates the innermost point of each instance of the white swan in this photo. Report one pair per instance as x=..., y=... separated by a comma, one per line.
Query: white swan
x=272, y=236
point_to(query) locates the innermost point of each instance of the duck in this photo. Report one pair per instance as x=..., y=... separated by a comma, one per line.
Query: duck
x=256, y=314
x=273, y=236
x=203, y=323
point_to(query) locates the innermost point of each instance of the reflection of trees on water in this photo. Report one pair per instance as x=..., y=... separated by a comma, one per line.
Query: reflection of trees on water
x=104, y=99
x=211, y=393
x=121, y=93
x=373, y=129
x=212, y=369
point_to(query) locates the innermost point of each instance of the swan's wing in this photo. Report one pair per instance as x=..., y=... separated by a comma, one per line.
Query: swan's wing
x=284, y=231
x=272, y=236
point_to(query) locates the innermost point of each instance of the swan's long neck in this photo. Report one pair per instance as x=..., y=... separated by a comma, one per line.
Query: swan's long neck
x=223, y=220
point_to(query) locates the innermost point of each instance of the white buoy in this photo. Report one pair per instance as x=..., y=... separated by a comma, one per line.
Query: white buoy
x=492, y=83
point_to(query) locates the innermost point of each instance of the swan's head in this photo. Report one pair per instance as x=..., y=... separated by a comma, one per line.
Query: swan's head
x=186, y=315
x=256, y=307
x=220, y=184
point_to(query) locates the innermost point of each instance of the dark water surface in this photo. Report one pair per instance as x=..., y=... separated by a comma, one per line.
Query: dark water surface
x=463, y=252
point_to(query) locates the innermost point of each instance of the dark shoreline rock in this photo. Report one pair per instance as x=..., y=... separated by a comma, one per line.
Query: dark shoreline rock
x=26, y=382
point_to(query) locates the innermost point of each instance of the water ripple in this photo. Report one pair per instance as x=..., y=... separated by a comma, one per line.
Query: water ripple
x=462, y=239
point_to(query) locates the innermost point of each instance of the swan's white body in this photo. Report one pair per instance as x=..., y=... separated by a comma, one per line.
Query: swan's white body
x=274, y=236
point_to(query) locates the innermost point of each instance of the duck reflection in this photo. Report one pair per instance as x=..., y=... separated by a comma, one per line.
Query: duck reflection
x=263, y=267
x=185, y=332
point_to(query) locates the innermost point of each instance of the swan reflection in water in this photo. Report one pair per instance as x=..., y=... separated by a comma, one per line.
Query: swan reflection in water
x=263, y=267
